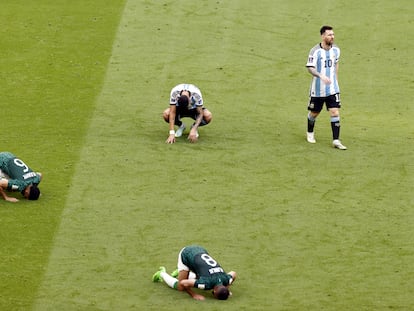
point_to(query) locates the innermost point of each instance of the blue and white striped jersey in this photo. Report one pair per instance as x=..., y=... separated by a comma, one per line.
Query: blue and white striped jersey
x=196, y=98
x=325, y=63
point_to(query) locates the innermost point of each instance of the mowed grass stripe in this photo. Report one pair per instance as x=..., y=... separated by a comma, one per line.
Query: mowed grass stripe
x=94, y=238
x=101, y=242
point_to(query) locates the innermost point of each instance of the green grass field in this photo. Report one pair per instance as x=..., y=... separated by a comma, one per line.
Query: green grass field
x=306, y=227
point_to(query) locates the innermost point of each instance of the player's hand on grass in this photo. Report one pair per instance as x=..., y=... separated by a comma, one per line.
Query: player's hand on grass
x=192, y=137
x=5, y=196
x=198, y=297
x=11, y=199
x=170, y=139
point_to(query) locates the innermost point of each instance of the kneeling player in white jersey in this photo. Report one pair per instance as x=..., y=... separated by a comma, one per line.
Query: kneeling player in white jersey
x=197, y=269
x=323, y=66
x=186, y=100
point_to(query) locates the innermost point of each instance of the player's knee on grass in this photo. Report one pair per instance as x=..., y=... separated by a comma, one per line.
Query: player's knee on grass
x=207, y=116
x=166, y=115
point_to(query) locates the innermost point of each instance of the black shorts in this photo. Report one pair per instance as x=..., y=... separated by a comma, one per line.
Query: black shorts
x=187, y=113
x=332, y=101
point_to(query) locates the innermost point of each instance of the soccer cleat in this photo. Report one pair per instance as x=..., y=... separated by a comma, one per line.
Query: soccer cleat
x=337, y=144
x=157, y=275
x=310, y=137
x=174, y=274
x=180, y=130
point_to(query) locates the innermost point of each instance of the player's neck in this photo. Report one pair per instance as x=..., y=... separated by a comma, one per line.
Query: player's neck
x=326, y=46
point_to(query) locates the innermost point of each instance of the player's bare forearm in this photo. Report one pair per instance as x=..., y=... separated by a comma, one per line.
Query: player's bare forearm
x=4, y=183
x=3, y=194
x=171, y=116
x=173, y=112
x=200, y=116
x=186, y=285
x=40, y=175
x=6, y=197
x=192, y=137
x=233, y=275
x=194, y=295
x=314, y=72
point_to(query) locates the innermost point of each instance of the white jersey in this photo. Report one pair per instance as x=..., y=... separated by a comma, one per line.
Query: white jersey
x=325, y=63
x=196, y=99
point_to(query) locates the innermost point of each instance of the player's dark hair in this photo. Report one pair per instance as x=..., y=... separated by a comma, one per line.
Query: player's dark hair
x=182, y=101
x=221, y=292
x=34, y=192
x=325, y=28
x=181, y=92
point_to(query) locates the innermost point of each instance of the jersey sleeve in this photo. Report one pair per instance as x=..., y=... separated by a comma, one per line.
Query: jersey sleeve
x=311, y=61
x=199, y=284
x=174, y=97
x=313, y=57
x=337, y=52
x=230, y=279
x=197, y=99
x=15, y=185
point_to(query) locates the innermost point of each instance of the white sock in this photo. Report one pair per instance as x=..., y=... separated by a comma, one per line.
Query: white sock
x=171, y=282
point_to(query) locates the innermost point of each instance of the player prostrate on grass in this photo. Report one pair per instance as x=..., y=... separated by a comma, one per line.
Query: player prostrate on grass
x=197, y=269
x=186, y=101
x=323, y=66
x=17, y=176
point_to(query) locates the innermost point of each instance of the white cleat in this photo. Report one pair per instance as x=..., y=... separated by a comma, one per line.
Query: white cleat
x=337, y=144
x=310, y=137
x=180, y=130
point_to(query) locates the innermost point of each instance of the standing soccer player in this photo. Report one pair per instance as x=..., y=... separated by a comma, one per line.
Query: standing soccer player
x=323, y=66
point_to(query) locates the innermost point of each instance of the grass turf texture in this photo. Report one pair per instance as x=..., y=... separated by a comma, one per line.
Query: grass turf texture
x=306, y=227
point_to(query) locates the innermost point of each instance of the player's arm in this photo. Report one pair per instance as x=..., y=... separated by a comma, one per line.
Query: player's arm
x=233, y=276
x=4, y=195
x=185, y=284
x=312, y=70
x=4, y=182
x=172, y=114
x=192, y=137
x=199, y=117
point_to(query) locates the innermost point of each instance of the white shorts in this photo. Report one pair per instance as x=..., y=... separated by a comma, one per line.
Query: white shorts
x=180, y=265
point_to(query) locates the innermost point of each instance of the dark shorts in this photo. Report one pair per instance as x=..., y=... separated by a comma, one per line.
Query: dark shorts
x=331, y=101
x=187, y=113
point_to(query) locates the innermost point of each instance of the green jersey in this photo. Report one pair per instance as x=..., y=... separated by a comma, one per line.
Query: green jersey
x=20, y=175
x=209, y=272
